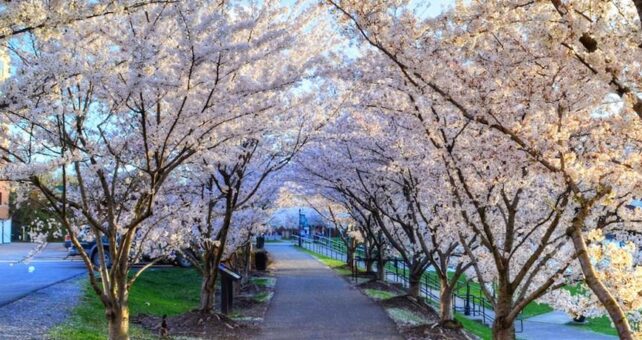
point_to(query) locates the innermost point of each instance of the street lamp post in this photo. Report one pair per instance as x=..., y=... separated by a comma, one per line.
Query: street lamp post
x=300, y=233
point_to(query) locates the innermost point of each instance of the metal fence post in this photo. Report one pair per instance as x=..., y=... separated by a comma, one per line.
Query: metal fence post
x=396, y=270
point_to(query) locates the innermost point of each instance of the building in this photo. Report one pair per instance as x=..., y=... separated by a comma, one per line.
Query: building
x=5, y=216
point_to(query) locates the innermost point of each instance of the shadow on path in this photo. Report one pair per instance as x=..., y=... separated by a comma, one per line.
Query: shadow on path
x=312, y=302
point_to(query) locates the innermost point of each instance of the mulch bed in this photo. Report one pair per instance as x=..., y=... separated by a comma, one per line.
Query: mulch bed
x=195, y=324
x=431, y=329
x=379, y=286
x=247, y=311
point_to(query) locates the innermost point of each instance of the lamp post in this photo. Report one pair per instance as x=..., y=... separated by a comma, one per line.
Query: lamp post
x=300, y=233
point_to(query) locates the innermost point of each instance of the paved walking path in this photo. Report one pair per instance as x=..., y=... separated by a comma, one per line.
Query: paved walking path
x=554, y=325
x=312, y=302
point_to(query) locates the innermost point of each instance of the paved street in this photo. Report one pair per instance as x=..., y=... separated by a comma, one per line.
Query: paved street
x=49, y=267
x=312, y=302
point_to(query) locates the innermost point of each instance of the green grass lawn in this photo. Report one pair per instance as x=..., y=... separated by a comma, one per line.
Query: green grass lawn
x=404, y=316
x=170, y=291
x=534, y=308
x=337, y=265
x=379, y=294
x=263, y=297
x=263, y=281
x=475, y=327
x=598, y=325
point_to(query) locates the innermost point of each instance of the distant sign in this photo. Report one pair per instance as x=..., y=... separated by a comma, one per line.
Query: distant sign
x=303, y=221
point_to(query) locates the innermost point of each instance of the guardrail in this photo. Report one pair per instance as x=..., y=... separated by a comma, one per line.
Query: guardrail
x=466, y=303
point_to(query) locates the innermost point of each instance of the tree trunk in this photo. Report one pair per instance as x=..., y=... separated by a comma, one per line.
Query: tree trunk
x=208, y=292
x=118, y=320
x=616, y=313
x=414, y=288
x=503, y=330
x=350, y=257
x=503, y=327
x=381, y=269
x=445, y=302
x=213, y=256
x=247, y=263
x=208, y=285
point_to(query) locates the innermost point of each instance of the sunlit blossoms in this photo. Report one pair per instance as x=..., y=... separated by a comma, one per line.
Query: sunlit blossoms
x=496, y=141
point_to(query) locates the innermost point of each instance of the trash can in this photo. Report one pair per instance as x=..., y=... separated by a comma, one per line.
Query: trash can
x=260, y=259
x=260, y=242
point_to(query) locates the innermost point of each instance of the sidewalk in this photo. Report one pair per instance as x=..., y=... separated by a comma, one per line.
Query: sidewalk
x=17, y=251
x=312, y=302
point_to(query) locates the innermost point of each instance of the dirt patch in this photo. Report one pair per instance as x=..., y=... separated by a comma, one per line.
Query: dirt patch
x=433, y=332
x=248, y=309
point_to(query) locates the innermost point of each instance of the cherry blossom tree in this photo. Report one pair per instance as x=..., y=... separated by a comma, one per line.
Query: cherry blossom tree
x=227, y=192
x=527, y=79
x=113, y=114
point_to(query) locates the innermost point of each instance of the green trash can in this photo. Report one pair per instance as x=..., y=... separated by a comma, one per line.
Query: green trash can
x=260, y=260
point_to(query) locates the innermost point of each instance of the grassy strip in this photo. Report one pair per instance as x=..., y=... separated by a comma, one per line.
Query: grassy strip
x=266, y=282
x=379, y=294
x=404, y=316
x=475, y=327
x=534, y=309
x=337, y=265
x=601, y=325
x=170, y=291
x=263, y=297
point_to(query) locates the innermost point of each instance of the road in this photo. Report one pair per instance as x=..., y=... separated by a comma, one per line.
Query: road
x=18, y=279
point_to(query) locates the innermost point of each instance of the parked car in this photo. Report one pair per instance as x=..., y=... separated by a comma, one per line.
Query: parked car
x=92, y=250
